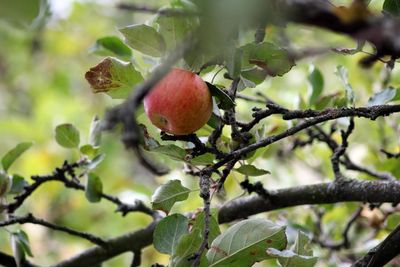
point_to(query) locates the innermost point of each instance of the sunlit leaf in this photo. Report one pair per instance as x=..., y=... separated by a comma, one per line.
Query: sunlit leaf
x=111, y=46
x=12, y=155
x=250, y=170
x=113, y=77
x=382, y=97
x=89, y=150
x=245, y=243
x=67, y=135
x=168, y=194
x=94, y=188
x=144, y=39
x=168, y=232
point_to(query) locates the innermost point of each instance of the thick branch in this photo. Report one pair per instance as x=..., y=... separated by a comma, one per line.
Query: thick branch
x=383, y=253
x=8, y=261
x=380, y=30
x=134, y=241
x=346, y=191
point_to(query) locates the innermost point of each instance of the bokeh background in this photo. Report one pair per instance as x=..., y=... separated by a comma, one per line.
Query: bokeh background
x=42, y=67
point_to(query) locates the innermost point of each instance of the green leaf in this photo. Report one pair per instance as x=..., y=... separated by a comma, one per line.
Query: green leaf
x=173, y=151
x=12, y=155
x=187, y=246
x=225, y=102
x=94, y=188
x=168, y=232
x=4, y=183
x=18, y=184
x=214, y=121
x=111, y=46
x=252, y=77
x=95, y=132
x=67, y=135
x=288, y=258
x=205, y=159
x=174, y=29
x=245, y=83
x=144, y=39
x=114, y=77
x=233, y=60
x=392, y=7
x=168, y=194
x=89, y=150
x=342, y=73
x=300, y=255
x=316, y=81
x=18, y=250
x=199, y=223
x=267, y=56
x=392, y=221
x=20, y=12
x=23, y=239
x=382, y=97
x=250, y=170
x=245, y=243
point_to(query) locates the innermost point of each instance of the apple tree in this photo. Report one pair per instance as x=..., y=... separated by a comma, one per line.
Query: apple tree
x=278, y=140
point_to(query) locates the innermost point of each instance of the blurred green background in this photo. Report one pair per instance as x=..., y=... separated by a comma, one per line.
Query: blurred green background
x=42, y=67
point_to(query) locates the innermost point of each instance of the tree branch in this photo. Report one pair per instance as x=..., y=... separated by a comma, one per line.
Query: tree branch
x=29, y=218
x=133, y=241
x=318, y=117
x=323, y=193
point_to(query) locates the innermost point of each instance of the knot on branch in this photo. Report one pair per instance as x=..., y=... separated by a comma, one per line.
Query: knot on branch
x=257, y=188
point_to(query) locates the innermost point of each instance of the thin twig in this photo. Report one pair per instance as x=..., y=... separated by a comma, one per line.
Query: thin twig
x=29, y=218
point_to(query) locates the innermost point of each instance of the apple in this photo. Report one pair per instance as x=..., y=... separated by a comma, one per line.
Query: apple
x=180, y=103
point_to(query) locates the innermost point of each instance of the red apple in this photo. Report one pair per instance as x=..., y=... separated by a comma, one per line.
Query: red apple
x=180, y=103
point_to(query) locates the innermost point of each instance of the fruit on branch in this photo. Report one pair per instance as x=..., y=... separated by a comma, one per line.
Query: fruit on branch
x=180, y=103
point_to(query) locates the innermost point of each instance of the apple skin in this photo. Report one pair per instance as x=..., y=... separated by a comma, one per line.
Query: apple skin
x=180, y=103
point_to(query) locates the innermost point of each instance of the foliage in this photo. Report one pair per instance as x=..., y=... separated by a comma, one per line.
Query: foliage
x=286, y=97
